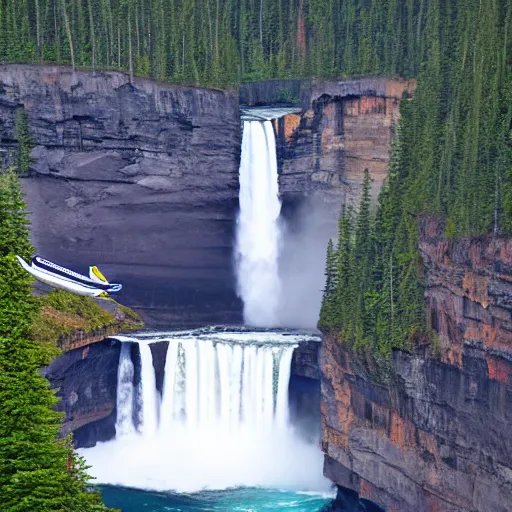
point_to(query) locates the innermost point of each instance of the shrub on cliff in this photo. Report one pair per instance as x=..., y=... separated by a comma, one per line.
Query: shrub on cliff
x=24, y=140
x=62, y=314
x=37, y=472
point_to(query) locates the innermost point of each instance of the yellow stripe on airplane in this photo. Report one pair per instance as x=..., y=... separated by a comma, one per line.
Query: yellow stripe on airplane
x=98, y=274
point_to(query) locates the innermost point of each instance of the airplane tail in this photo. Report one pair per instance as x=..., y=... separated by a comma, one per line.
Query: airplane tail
x=96, y=275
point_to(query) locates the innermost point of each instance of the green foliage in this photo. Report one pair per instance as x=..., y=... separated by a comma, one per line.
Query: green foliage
x=328, y=301
x=218, y=42
x=285, y=96
x=24, y=140
x=450, y=229
x=451, y=156
x=63, y=313
x=37, y=472
x=132, y=319
x=378, y=301
x=85, y=307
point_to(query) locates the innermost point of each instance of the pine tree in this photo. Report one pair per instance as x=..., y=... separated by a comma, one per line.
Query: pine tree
x=328, y=309
x=37, y=472
x=346, y=283
x=363, y=256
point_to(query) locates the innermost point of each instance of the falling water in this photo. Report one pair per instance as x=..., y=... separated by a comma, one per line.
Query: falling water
x=222, y=420
x=229, y=386
x=124, y=422
x=282, y=409
x=148, y=400
x=257, y=246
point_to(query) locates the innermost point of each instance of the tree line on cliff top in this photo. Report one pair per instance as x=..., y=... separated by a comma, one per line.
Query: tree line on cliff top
x=452, y=151
x=38, y=473
x=451, y=157
x=219, y=42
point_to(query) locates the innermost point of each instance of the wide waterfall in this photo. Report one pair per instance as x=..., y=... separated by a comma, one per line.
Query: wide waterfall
x=219, y=417
x=257, y=245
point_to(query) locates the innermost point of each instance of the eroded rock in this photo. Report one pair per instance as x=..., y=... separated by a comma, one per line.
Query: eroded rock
x=434, y=435
x=138, y=178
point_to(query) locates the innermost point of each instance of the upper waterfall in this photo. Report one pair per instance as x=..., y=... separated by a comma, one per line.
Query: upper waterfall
x=258, y=237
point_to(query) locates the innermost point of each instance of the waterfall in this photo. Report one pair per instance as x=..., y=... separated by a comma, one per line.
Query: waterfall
x=125, y=371
x=282, y=410
x=237, y=397
x=168, y=408
x=148, y=400
x=257, y=245
x=233, y=386
x=222, y=420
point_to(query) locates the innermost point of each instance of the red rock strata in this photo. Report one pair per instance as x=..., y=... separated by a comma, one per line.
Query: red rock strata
x=435, y=435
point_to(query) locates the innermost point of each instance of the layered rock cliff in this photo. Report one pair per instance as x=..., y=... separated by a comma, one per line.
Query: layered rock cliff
x=434, y=433
x=345, y=126
x=86, y=382
x=139, y=178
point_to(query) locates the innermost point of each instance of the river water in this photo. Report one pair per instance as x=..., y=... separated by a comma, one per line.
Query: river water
x=232, y=500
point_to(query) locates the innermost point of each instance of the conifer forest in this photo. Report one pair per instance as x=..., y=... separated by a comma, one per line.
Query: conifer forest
x=452, y=152
x=451, y=158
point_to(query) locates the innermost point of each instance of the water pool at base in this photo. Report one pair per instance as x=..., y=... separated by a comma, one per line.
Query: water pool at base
x=231, y=500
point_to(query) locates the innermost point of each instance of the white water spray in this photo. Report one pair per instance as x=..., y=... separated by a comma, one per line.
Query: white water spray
x=257, y=245
x=125, y=372
x=223, y=421
x=148, y=400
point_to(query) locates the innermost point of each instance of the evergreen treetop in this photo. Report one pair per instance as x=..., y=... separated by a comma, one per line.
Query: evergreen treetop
x=37, y=472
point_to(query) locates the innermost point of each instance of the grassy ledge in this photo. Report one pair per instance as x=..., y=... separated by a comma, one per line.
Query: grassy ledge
x=63, y=316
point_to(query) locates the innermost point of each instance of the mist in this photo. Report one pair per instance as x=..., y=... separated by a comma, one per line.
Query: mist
x=222, y=420
x=302, y=262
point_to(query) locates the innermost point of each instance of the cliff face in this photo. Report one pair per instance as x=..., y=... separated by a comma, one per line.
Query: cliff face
x=436, y=435
x=86, y=379
x=469, y=296
x=304, y=390
x=140, y=179
x=345, y=126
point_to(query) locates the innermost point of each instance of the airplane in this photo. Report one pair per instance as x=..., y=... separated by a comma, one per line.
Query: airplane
x=96, y=285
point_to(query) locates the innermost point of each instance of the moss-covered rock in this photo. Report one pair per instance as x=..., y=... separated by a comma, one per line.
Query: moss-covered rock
x=63, y=316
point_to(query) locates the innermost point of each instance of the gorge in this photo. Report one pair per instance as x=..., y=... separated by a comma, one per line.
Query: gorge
x=142, y=178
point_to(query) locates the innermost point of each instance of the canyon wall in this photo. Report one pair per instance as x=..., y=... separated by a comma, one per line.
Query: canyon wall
x=141, y=178
x=432, y=433
x=86, y=382
x=341, y=127
x=138, y=178
x=345, y=126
